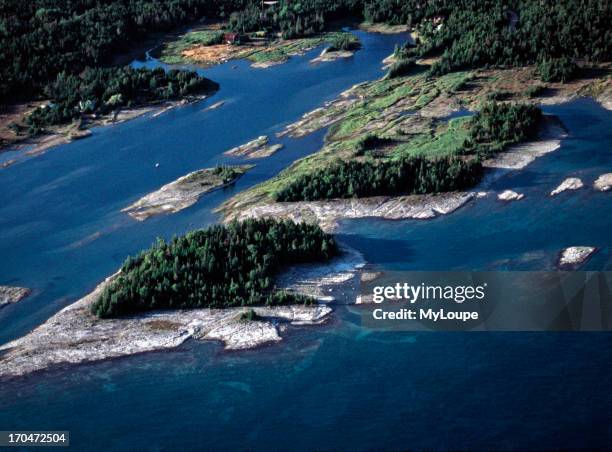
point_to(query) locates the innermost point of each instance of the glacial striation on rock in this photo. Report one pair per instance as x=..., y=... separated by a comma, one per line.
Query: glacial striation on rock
x=571, y=183
x=184, y=191
x=12, y=294
x=603, y=182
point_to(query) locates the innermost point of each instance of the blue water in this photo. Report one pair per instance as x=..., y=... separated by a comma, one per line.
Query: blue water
x=61, y=226
x=337, y=386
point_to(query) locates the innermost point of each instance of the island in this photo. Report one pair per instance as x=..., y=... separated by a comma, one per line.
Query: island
x=571, y=183
x=185, y=191
x=254, y=149
x=243, y=284
x=510, y=195
x=12, y=294
x=573, y=257
x=603, y=182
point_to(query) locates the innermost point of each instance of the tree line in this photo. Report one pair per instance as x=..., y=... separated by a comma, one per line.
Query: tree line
x=498, y=124
x=40, y=39
x=218, y=267
x=493, y=127
x=408, y=175
x=482, y=33
x=101, y=90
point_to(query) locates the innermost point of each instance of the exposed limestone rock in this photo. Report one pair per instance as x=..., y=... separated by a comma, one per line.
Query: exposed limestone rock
x=574, y=256
x=510, y=195
x=75, y=336
x=327, y=213
x=332, y=55
x=12, y=294
x=181, y=193
x=571, y=183
x=603, y=182
x=255, y=149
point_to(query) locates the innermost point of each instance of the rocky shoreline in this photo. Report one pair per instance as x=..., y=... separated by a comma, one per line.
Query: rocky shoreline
x=181, y=193
x=328, y=213
x=74, y=335
x=65, y=134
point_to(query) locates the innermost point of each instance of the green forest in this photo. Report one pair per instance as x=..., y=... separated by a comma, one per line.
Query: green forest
x=101, y=90
x=495, y=126
x=221, y=266
x=40, y=39
x=409, y=175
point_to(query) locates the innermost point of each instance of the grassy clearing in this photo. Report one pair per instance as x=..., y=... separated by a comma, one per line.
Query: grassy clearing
x=258, y=50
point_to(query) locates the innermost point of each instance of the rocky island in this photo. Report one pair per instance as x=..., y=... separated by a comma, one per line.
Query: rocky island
x=603, y=182
x=254, y=149
x=12, y=294
x=510, y=195
x=571, y=183
x=573, y=257
x=185, y=191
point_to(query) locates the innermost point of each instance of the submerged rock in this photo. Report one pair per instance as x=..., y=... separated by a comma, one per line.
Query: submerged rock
x=510, y=195
x=181, y=193
x=603, y=182
x=574, y=256
x=571, y=183
x=12, y=294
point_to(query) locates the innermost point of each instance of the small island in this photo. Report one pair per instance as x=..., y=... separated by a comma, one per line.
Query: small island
x=510, y=195
x=185, y=191
x=603, y=182
x=573, y=257
x=571, y=183
x=12, y=294
x=254, y=149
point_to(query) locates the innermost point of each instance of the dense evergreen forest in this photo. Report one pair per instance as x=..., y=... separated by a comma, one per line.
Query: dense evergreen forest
x=481, y=33
x=499, y=124
x=409, y=175
x=101, y=90
x=496, y=125
x=40, y=39
x=222, y=266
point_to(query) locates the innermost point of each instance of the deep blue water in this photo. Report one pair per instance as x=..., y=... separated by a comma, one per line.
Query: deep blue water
x=337, y=386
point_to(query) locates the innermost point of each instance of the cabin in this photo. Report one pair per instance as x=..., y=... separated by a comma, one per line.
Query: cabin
x=231, y=38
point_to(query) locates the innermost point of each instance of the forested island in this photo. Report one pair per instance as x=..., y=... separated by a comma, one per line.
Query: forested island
x=222, y=266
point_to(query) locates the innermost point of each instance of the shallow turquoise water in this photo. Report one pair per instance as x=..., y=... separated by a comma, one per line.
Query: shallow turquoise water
x=337, y=386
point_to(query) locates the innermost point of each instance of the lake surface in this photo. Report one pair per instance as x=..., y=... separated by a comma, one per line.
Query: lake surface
x=337, y=386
